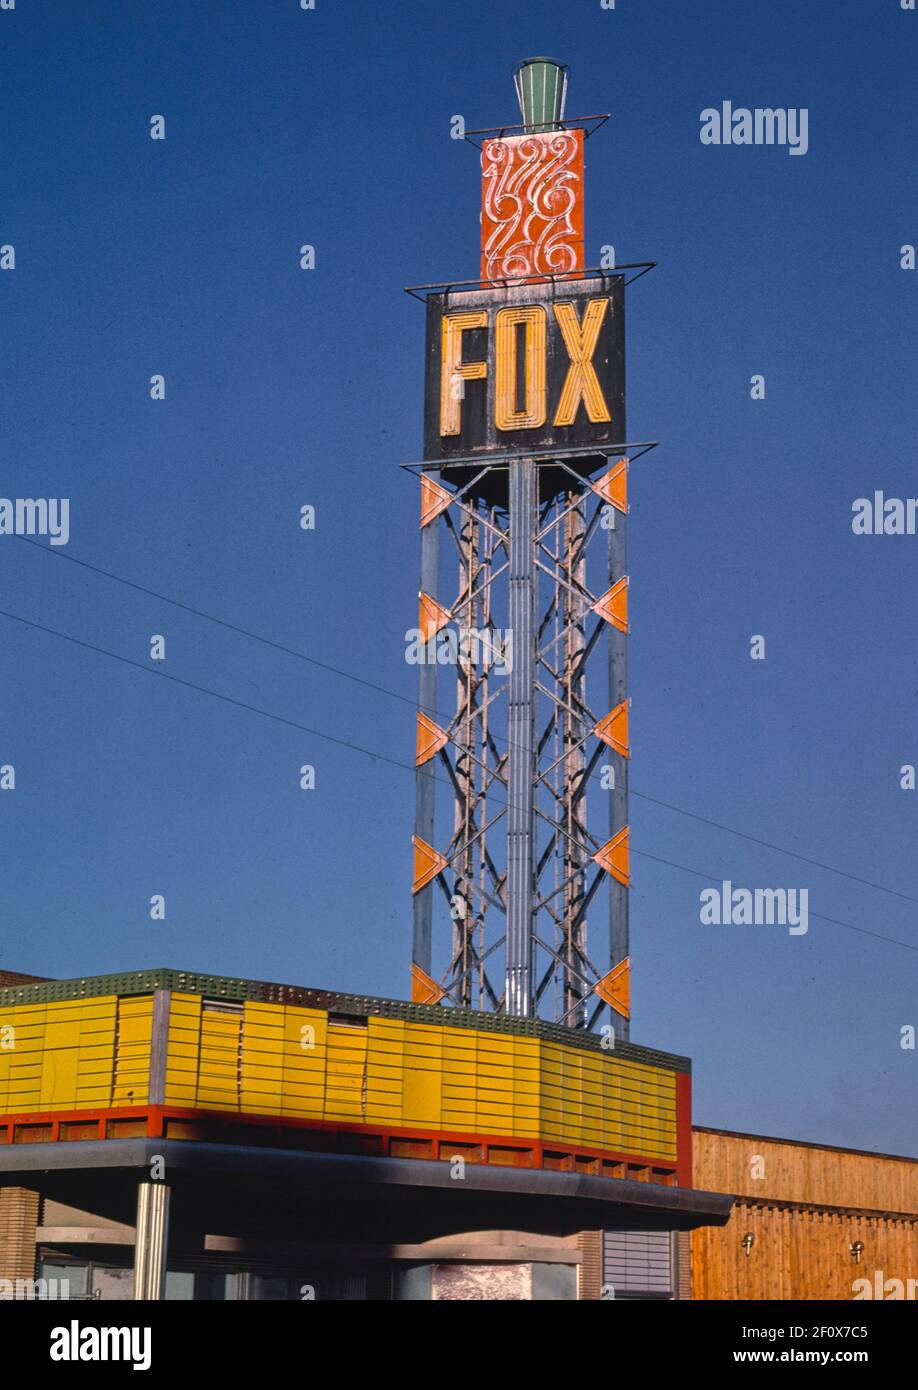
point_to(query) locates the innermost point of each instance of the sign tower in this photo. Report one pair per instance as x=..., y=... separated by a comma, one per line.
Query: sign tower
x=521, y=843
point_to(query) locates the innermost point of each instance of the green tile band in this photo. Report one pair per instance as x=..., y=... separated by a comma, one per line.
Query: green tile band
x=355, y=1005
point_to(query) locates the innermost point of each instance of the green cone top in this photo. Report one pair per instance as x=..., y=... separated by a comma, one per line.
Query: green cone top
x=541, y=87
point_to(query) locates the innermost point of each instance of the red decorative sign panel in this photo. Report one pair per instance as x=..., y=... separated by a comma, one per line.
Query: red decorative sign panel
x=532, y=205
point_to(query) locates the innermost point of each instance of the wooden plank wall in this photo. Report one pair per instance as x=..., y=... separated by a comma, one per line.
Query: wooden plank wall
x=19, y=1208
x=805, y=1206
x=589, y=1244
x=751, y=1166
x=684, y=1264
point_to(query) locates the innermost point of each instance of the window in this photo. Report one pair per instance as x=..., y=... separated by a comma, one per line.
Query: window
x=65, y=1280
x=637, y=1265
x=179, y=1286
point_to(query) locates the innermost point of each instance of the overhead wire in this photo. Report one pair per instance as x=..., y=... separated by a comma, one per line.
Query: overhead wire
x=368, y=752
x=404, y=699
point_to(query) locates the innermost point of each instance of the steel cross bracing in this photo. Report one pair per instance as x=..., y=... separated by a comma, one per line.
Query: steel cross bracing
x=531, y=662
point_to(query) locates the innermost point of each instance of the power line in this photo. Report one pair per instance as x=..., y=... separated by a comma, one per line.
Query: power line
x=715, y=878
x=404, y=699
x=204, y=690
x=766, y=844
x=368, y=752
x=222, y=622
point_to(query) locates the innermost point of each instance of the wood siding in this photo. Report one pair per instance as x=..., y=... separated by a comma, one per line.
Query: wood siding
x=18, y=1221
x=805, y=1173
x=805, y=1207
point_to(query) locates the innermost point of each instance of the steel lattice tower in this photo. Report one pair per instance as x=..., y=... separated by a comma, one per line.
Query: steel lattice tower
x=522, y=730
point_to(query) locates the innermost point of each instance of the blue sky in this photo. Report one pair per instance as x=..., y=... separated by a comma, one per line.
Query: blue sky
x=284, y=387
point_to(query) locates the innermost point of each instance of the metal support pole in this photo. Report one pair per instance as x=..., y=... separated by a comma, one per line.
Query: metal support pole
x=159, y=1045
x=151, y=1241
x=574, y=732
x=523, y=498
x=425, y=775
x=618, y=806
x=468, y=726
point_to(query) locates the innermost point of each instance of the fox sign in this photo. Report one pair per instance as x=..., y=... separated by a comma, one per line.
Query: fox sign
x=525, y=368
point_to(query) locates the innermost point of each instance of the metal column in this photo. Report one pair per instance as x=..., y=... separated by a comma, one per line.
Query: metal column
x=523, y=509
x=618, y=806
x=470, y=684
x=151, y=1241
x=574, y=731
x=422, y=954
x=159, y=1046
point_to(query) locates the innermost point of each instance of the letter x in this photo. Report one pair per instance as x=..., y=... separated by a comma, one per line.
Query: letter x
x=581, y=382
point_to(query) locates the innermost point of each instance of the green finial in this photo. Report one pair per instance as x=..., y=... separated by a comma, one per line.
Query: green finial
x=541, y=87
